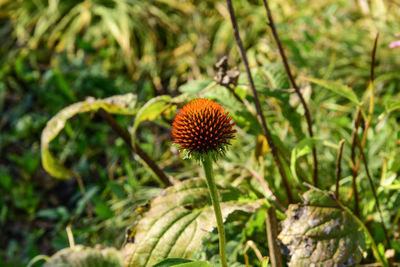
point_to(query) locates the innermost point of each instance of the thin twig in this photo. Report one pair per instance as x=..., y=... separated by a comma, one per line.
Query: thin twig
x=136, y=148
x=260, y=116
x=272, y=232
x=355, y=190
x=373, y=56
x=357, y=123
x=355, y=165
x=339, y=167
x=250, y=244
x=367, y=123
x=267, y=189
x=371, y=182
x=70, y=236
x=295, y=86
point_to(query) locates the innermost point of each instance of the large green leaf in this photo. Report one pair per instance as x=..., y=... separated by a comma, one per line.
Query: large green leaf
x=177, y=221
x=320, y=233
x=178, y=262
x=86, y=257
x=337, y=88
x=121, y=104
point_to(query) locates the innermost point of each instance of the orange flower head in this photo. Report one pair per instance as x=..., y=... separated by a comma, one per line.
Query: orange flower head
x=202, y=126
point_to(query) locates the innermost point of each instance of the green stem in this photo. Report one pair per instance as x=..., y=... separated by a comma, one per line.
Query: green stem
x=207, y=166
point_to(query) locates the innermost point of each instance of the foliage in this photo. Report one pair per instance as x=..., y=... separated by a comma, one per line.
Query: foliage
x=54, y=54
x=177, y=221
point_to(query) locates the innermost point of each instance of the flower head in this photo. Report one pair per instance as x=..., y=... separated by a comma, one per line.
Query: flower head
x=202, y=126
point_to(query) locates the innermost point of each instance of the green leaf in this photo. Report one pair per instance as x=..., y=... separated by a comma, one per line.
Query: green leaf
x=194, y=264
x=171, y=262
x=320, y=233
x=239, y=112
x=337, y=88
x=86, y=257
x=120, y=104
x=303, y=148
x=179, y=262
x=177, y=221
x=392, y=105
x=195, y=87
x=151, y=110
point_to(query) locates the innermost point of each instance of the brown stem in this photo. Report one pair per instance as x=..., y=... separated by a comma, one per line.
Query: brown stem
x=339, y=167
x=136, y=148
x=357, y=122
x=367, y=123
x=355, y=190
x=373, y=56
x=257, y=103
x=355, y=166
x=272, y=232
x=295, y=86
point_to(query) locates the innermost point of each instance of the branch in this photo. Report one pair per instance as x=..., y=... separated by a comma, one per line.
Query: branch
x=295, y=86
x=260, y=116
x=136, y=148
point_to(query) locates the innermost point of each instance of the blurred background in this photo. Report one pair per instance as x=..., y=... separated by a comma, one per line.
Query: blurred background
x=55, y=53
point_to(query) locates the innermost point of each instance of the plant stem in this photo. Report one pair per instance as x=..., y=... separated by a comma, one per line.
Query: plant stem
x=355, y=166
x=260, y=116
x=367, y=123
x=272, y=231
x=135, y=148
x=295, y=86
x=339, y=167
x=371, y=182
x=207, y=166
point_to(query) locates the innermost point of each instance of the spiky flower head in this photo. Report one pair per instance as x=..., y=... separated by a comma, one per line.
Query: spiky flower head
x=203, y=127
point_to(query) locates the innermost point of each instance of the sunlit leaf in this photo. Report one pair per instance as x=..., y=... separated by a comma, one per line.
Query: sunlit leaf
x=320, y=233
x=171, y=262
x=177, y=262
x=150, y=111
x=178, y=220
x=337, y=88
x=121, y=104
x=262, y=146
x=194, y=87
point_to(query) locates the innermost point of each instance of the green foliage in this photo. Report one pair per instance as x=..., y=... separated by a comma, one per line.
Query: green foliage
x=178, y=220
x=181, y=263
x=123, y=104
x=54, y=54
x=337, y=88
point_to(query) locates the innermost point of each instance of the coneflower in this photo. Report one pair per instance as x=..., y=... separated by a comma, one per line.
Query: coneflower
x=202, y=126
x=203, y=129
